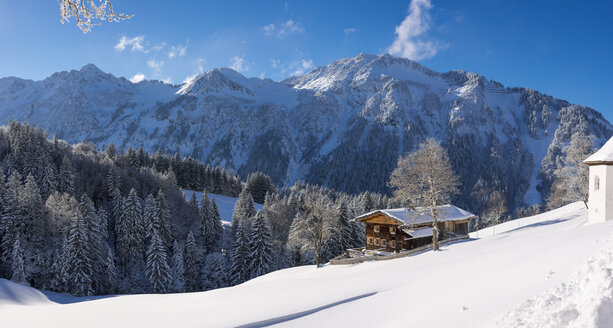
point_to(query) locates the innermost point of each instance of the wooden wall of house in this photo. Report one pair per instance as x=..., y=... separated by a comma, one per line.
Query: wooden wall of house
x=386, y=225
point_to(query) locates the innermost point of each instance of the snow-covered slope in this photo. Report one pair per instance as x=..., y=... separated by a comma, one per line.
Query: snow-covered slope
x=225, y=204
x=342, y=125
x=474, y=283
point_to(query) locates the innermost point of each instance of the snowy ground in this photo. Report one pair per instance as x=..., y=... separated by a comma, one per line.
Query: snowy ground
x=483, y=282
x=225, y=204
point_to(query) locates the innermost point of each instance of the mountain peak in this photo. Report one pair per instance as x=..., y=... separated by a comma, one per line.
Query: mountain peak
x=91, y=68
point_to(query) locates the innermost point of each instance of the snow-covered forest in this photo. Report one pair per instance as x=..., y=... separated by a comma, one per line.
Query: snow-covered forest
x=81, y=221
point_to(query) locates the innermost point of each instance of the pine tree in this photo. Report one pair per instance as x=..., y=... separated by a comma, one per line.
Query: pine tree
x=260, y=247
x=79, y=266
x=158, y=271
x=210, y=223
x=35, y=225
x=192, y=264
x=150, y=216
x=178, y=271
x=12, y=221
x=244, y=210
x=95, y=223
x=163, y=216
x=130, y=232
x=215, y=271
x=110, y=273
x=239, y=271
x=111, y=151
x=18, y=264
x=66, y=179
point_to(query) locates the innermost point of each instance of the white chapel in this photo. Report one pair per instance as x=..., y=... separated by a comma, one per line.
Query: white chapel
x=600, y=202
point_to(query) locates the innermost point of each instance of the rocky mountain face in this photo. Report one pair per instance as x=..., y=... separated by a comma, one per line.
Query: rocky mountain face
x=342, y=125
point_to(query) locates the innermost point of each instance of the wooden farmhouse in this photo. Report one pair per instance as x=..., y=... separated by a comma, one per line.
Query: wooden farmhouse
x=394, y=230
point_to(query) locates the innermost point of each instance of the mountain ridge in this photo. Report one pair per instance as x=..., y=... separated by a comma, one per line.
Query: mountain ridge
x=341, y=125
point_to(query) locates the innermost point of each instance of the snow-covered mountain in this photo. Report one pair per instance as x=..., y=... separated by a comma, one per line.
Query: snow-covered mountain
x=533, y=272
x=342, y=125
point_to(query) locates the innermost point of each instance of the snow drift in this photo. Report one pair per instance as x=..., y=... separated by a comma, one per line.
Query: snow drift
x=473, y=283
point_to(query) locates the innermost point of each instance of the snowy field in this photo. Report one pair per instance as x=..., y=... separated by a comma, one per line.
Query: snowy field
x=225, y=204
x=528, y=273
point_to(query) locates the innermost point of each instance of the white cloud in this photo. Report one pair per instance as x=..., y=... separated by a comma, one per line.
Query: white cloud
x=408, y=42
x=274, y=63
x=300, y=67
x=199, y=70
x=269, y=29
x=238, y=64
x=137, y=77
x=284, y=29
x=135, y=43
x=178, y=51
x=349, y=30
x=155, y=65
x=159, y=46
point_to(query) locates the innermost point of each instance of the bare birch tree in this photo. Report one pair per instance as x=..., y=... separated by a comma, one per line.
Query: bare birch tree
x=311, y=229
x=84, y=11
x=425, y=180
x=571, y=180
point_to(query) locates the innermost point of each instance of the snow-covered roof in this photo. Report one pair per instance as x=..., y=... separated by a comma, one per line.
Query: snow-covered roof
x=603, y=156
x=419, y=233
x=417, y=217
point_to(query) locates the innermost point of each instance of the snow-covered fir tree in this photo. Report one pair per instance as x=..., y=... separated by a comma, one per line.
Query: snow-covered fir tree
x=244, y=210
x=79, y=265
x=192, y=264
x=157, y=269
x=66, y=177
x=130, y=237
x=260, y=247
x=239, y=271
x=18, y=263
x=215, y=271
x=210, y=224
x=178, y=271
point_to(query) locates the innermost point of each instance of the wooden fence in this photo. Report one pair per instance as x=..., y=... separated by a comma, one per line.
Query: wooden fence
x=344, y=259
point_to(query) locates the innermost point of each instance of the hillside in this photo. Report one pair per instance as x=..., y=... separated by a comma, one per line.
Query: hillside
x=476, y=283
x=342, y=125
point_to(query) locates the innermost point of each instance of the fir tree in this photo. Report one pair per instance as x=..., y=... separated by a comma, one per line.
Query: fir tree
x=66, y=178
x=12, y=221
x=158, y=271
x=130, y=233
x=192, y=264
x=178, y=280
x=78, y=261
x=215, y=271
x=110, y=272
x=260, y=247
x=163, y=219
x=18, y=264
x=244, y=209
x=239, y=271
x=210, y=223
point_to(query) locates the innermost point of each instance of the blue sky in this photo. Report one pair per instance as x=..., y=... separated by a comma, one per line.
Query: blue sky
x=562, y=48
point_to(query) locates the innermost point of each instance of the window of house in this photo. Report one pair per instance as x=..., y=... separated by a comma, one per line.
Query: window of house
x=370, y=242
x=377, y=241
x=596, y=183
x=384, y=243
x=377, y=228
x=393, y=230
x=393, y=244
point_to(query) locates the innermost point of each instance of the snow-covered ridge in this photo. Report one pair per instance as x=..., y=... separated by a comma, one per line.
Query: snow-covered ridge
x=322, y=127
x=474, y=282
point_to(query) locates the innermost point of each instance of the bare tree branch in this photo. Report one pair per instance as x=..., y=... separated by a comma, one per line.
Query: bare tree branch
x=84, y=11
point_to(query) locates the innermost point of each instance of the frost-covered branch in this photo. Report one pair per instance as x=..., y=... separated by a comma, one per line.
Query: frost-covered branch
x=84, y=11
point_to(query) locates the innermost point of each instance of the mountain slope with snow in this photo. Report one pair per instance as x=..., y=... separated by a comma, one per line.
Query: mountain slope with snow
x=474, y=283
x=342, y=125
